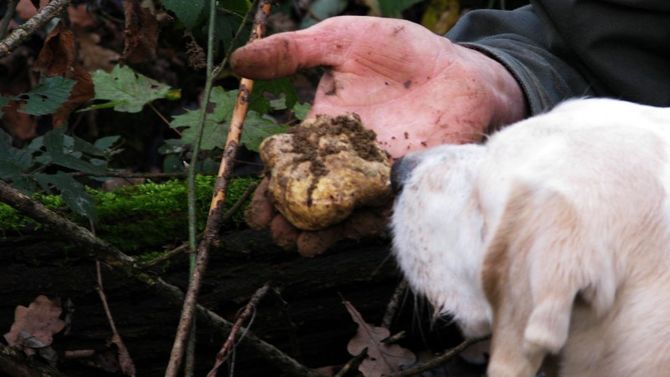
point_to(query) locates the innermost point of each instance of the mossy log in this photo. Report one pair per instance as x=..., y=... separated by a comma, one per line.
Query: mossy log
x=306, y=320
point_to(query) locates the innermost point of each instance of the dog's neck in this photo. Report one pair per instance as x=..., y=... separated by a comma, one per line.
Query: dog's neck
x=447, y=240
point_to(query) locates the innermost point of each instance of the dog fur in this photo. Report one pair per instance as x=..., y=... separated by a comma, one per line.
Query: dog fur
x=554, y=236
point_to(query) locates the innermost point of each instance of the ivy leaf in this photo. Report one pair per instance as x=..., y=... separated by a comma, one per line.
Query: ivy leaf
x=127, y=90
x=190, y=13
x=47, y=97
x=257, y=128
x=73, y=193
x=394, y=8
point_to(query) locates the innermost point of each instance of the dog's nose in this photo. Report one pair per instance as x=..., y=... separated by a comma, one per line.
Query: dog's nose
x=400, y=172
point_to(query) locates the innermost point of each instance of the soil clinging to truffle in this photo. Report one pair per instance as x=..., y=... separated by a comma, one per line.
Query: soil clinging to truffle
x=306, y=144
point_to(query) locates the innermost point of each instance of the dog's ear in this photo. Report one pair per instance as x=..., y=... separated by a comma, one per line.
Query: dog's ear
x=537, y=262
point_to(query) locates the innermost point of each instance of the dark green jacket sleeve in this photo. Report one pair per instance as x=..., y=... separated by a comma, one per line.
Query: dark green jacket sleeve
x=557, y=49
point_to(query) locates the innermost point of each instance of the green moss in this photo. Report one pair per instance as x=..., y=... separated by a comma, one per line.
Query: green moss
x=141, y=216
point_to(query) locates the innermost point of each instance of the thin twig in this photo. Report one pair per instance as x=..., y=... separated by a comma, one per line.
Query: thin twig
x=394, y=304
x=163, y=118
x=438, y=360
x=9, y=14
x=21, y=33
x=352, y=364
x=216, y=208
x=125, y=361
x=95, y=248
x=222, y=355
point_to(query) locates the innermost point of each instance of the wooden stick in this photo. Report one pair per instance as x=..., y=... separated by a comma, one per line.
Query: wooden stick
x=228, y=345
x=40, y=19
x=216, y=208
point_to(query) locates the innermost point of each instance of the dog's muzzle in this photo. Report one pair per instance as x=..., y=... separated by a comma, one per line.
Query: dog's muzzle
x=401, y=171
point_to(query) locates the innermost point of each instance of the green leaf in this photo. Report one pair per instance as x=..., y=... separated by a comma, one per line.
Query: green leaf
x=81, y=145
x=322, y=9
x=126, y=90
x=276, y=88
x=47, y=97
x=73, y=193
x=257, y=128
x=394, y=8
x=190, y=13
x=214, y=133
x=240, y=7
x=300, y=110
x=56, y=153
x=3, y=102
x=13, y=161
x=106, y=142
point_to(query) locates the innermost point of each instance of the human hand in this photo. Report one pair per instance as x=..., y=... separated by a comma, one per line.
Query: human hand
x=415, y=89
x=363, y=222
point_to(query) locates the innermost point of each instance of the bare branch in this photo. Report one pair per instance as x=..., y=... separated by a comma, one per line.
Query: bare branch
x=36, y=22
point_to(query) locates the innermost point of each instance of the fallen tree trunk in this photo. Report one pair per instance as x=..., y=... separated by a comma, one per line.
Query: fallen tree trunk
x=306, y=321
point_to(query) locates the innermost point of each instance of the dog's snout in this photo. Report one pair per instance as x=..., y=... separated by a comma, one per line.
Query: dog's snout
x=400, y=172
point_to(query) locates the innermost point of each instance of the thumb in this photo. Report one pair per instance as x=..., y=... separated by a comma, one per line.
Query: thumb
x=284, y=54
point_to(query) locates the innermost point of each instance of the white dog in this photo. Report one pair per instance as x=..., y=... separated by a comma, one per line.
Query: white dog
x=554, y=236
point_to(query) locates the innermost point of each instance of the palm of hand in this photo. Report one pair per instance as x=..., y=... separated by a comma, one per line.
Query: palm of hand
x=415, y=89
x=412, y=87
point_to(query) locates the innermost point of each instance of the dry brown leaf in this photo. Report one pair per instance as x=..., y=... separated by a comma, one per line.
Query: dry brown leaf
x=35, y=325
x=58, y=52
x=80, y=17
x=58, y=58
x=382, y=359
x=94, y=57
x=140, y=34
x=20, y=125
x=26, y=8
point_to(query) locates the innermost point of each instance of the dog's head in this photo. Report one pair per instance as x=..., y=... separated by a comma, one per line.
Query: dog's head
x=438, y=231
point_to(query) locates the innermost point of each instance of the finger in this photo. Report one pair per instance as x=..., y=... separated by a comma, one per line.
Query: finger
x=283, y=54
x=260, y=211
x=284, y=233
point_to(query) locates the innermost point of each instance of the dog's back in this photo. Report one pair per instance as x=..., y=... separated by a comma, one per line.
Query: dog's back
x=575, y=240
